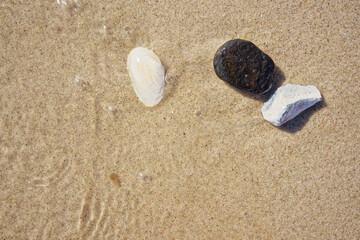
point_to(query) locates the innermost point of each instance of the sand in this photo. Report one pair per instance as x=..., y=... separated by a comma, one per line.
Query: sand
x=202, y=164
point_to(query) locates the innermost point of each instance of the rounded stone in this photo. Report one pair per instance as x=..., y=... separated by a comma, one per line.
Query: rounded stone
x=243, y=65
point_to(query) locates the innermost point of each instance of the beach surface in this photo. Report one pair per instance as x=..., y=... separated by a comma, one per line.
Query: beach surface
x=82, y=158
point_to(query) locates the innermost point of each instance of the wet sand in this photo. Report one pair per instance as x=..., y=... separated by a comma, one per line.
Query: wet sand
x=82, y=158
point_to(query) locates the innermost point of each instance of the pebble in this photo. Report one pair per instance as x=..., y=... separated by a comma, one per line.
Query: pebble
x=81, y=82
x=197, y=113
x=243, y=65
x=114, y=111
x=115, y=179
x=145, y=178
x=288, y=102
x=147, y=75
x=70, y=5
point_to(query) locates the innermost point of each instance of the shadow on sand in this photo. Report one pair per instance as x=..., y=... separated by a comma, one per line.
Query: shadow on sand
x=299, y=121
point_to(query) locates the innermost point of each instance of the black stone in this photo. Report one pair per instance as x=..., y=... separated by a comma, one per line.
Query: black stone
x=244, y=66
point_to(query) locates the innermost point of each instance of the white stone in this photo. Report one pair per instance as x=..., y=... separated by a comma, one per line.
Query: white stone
x=147, y=75
x=288, y=102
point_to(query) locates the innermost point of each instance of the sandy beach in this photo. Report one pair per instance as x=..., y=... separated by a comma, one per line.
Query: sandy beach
x=82, y=158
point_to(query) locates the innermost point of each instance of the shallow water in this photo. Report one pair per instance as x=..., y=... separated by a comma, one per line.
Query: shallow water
x=82, y=157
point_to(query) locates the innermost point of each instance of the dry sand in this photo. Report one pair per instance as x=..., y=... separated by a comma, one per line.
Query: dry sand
x=203, y=164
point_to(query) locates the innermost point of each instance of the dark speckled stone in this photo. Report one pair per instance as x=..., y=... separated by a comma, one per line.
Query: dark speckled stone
x=244, y=66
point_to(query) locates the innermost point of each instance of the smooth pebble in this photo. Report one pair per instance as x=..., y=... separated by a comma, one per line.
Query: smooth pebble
x=243, y=65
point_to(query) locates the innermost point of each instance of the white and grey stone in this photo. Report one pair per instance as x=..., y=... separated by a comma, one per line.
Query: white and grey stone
x=288, y=102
